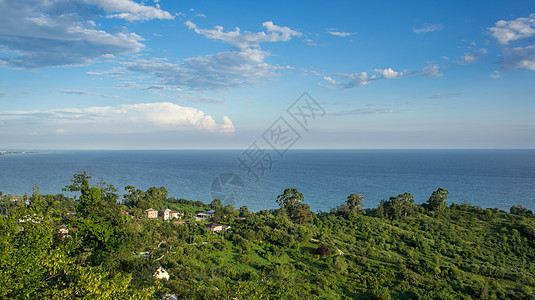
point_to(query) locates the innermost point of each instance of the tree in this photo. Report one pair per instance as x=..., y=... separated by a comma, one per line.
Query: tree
x=396, y=207
x=437, y=200
x=244, y=212
x=354, y=202
x=301, y=213
x=291, y=201
x=133, y=197
x=290, y=198
x=155, y=197
x=520, y=210
x=225, y=213
x=99, y=224
x=97, y=199
x=36, y=264
x=216, y=203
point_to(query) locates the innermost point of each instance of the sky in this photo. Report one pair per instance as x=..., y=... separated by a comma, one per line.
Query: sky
x=124, y=74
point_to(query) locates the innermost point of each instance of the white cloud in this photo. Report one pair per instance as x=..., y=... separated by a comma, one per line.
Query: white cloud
x=428, y=28
x=60, y=131
x=113, y=73
x=331, y=80
x=220, y=71
x=124, y=118
x=130, y=10
x=471, y=56
x=242, y=66
x=496, y=74
x=517, y=40
x=347, y=81
x=246, y=39
x=519, y=57
x=340, y=33
x=57, y=32
x=509, y=31
x=389, y=73
x=227, y=126
x=432, y=71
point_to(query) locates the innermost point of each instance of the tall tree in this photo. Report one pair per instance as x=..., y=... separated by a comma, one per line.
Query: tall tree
x=400, y=206
x=437, y=200
x=99, y=223
x=354, y=202
x=291, y=201
x=290, y=198
x=216, y=203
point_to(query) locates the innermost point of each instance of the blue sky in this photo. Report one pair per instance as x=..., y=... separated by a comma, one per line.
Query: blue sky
x=122, y=74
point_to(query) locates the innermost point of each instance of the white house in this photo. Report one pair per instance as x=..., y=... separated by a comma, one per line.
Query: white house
x=216, y=228
x=205, y=216
x=64, y=231
x=151, y=213
x=161, y=274
x=165, y=214
x=175, y=214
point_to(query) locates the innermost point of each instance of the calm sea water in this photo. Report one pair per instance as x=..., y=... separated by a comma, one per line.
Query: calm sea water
x=486, y=178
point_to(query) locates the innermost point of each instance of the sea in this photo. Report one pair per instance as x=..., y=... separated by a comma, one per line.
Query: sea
x=485, y=178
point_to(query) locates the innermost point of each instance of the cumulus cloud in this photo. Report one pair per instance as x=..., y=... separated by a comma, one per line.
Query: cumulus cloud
x=428, y=28
x=509, y=31
x=347, y=81
x=389, y=73
x=57, y=32
x=519, y=57
x=242, y=66
x=517, y=40
x=130, y=10
x=127, y=117
x=246, y=39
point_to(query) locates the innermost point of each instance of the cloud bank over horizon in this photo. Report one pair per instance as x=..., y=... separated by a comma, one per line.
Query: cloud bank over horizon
x=126, y=118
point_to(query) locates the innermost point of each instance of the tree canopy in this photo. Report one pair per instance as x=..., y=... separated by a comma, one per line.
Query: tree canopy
x=56, y=247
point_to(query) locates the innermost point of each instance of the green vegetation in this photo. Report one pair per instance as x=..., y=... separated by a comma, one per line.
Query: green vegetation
x=398, y=250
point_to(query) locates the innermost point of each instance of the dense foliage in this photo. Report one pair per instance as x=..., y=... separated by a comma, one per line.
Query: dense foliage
x=397, y=250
